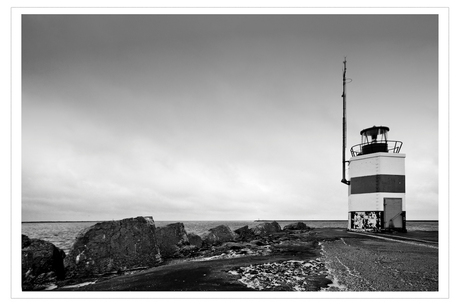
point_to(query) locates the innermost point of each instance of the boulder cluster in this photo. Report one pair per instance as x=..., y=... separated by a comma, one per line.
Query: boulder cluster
x=114, y=247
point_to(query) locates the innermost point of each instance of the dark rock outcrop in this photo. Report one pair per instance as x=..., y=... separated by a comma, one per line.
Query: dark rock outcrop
x=244, y=233
x=187, y=251
x=218, y=235
x=266, y=228
x=114, y=246
x=171, y=238
x=296, y=226
x=195, y=240
x=25, y=241
x=42, y=264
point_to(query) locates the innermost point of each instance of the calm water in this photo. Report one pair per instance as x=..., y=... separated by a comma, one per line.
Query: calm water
x=62, y=234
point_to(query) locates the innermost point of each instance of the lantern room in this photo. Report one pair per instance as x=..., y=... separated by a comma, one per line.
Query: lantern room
x=374, y=140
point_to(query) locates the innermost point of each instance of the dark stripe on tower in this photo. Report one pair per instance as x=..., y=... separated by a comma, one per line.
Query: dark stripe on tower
x=378, y=183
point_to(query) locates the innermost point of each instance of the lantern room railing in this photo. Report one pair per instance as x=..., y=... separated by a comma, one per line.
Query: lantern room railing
x=392, y=146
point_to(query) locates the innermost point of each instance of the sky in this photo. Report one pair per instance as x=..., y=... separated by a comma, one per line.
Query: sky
x=219, y=117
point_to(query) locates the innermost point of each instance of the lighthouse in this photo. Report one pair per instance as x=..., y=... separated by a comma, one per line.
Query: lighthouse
x=377, y=184
x=377, y=181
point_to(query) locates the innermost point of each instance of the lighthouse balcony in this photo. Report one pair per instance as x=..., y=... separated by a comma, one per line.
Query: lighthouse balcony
x=388, y=146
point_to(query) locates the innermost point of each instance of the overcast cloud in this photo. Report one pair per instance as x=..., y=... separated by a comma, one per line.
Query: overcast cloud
x=189, y=117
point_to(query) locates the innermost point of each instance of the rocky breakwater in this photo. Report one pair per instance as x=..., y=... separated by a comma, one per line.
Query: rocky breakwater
x=260, y=258
x=42, y=264
x=113, y=247
x=217, y=243
x=124, y=246
x=221, y=242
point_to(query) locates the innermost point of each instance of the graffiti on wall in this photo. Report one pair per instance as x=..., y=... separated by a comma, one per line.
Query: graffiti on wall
x=366, y=220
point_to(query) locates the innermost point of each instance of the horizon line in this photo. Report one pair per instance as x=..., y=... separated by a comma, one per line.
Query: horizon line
x=258, y=220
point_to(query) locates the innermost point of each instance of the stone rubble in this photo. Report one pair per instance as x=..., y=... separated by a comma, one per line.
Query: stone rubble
x=291, y=275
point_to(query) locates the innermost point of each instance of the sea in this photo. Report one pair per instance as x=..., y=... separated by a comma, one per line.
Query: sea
x=63, y=234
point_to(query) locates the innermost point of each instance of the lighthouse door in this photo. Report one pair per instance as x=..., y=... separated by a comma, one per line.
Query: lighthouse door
x=393, y=217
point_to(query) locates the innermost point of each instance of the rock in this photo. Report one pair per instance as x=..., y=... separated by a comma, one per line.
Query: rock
x=244, y=233
x=42, y=264
x=257, y=242
x=296, y=226
x=234, y=245
x=187, y=251
x=195, y=240
x=266, y=228
x=114, y=246
x=218, y=235
x=171, y=238
x=25, y=241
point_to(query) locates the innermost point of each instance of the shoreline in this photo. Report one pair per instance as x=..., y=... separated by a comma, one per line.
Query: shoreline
x=258, y=220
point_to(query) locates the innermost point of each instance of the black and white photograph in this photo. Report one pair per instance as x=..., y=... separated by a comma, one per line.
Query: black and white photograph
x=242, y=151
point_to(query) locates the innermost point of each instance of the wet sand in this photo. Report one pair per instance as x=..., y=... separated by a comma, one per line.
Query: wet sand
x=341, y=260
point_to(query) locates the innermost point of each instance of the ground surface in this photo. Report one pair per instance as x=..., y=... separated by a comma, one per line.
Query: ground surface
x=339, y=261
x=366, y=263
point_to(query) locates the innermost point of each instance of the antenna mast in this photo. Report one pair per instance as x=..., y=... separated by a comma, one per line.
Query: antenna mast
x=344, y=123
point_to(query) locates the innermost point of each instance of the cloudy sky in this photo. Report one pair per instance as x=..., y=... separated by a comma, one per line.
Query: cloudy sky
x=219, y=117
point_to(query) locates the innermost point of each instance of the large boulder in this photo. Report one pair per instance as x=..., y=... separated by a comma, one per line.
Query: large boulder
x=42, y=264
x=244, y=233
x=114, y=246
x=171, y=238
x=296, y=226
x=218, y=235
x=266, y=228
x=195, y=240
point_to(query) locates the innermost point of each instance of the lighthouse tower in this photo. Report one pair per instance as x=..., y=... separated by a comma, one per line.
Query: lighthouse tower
x=376, y=191
x=377, y=181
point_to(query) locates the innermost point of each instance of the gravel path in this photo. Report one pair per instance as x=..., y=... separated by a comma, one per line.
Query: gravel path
x=373, y=264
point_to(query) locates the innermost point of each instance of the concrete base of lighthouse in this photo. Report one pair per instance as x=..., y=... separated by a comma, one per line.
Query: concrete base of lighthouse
x=376, y=199
x=374, y=221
